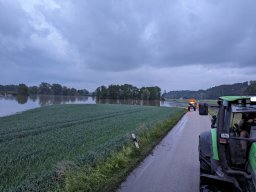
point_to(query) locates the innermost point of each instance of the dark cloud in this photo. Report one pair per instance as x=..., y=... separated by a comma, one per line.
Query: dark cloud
x=13, y=20
x=14, y=29
x=121, y=35
x=102, y=42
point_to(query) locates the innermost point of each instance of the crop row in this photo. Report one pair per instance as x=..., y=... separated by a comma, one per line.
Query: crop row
x=81, y=134
x=40, y=129
x=56, y=115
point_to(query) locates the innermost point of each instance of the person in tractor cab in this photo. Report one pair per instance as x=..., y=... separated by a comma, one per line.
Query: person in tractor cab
x=244, y=130
x=245, y=134
x=244, y=125
x=238, y=148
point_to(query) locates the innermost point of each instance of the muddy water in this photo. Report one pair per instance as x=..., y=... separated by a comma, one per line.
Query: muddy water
x=10, y=104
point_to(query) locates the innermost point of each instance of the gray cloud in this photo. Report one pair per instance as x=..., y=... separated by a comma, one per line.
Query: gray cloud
x=120, y=35
x=103, y=42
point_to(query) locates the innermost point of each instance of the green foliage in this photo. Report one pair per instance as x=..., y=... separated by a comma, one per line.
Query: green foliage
x=33, y=90
x=251, y=89
x=45, y=89
x=22, y=89
x=213, y=111
x=101, y=92
x=57, y=89
x=145, y=94
x=36, y=145
x=42, y=89
x=127, y=91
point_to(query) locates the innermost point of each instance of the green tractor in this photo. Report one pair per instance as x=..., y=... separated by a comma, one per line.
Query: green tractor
x=227, y=152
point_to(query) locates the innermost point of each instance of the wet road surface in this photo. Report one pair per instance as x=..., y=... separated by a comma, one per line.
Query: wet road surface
x=173, y=166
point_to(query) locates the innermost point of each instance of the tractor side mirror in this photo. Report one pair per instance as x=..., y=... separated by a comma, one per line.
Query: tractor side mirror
x=214, y=119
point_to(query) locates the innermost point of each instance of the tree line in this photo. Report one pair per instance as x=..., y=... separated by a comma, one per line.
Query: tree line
x=251, y=89
x=125, y=91
x=42, y=89
x=245, y=88
x=128, y=91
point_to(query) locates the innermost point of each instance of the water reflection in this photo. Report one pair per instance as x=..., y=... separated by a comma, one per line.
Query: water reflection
x=173, y=104
x=44, y=100
x=129, y=102
x=21, y=99
x=33, y=98
x=48, y=99
x=10, y=104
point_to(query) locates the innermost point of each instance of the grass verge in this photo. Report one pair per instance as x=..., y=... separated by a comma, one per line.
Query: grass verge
x=213, y=111
x=108, y=174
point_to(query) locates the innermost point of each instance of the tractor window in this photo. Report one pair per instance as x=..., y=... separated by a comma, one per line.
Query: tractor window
x=237, y=148
x=235, y=119
x=235, y=123
x=242, y=121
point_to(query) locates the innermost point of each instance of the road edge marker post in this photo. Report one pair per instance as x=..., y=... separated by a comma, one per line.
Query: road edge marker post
x=135, y=140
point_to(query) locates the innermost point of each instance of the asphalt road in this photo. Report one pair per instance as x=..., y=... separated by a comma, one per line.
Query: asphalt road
x=173, y=166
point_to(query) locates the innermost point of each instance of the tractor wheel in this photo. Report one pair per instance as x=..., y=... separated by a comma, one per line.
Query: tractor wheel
x=205, y=163
x=188, y=108
x=194, y=109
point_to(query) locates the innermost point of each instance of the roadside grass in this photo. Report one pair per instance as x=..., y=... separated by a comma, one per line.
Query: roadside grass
x=108, y=174
x=209, y=101
x=213, y=111
x=40, y=146
x=176, y=100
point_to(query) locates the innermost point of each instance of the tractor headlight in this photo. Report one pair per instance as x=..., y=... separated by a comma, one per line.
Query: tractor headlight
x=253, y=99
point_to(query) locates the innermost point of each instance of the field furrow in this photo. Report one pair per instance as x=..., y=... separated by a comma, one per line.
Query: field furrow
x=35, y=142
x=59, y=125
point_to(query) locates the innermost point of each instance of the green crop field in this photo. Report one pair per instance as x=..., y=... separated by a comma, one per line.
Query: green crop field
x=35, y=143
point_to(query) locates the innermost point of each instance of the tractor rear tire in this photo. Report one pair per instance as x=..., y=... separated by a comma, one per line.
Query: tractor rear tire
x=205, y=152
x=205, y=163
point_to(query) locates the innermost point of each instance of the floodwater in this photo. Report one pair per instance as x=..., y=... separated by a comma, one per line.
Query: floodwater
x=14, y=104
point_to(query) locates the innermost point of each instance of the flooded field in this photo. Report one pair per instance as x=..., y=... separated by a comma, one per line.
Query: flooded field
x=11, y=104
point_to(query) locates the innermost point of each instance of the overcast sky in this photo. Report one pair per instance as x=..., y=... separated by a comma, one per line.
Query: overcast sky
x=173, y=44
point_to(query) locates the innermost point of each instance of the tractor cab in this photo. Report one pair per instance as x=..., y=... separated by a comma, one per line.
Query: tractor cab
x=232, y=158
